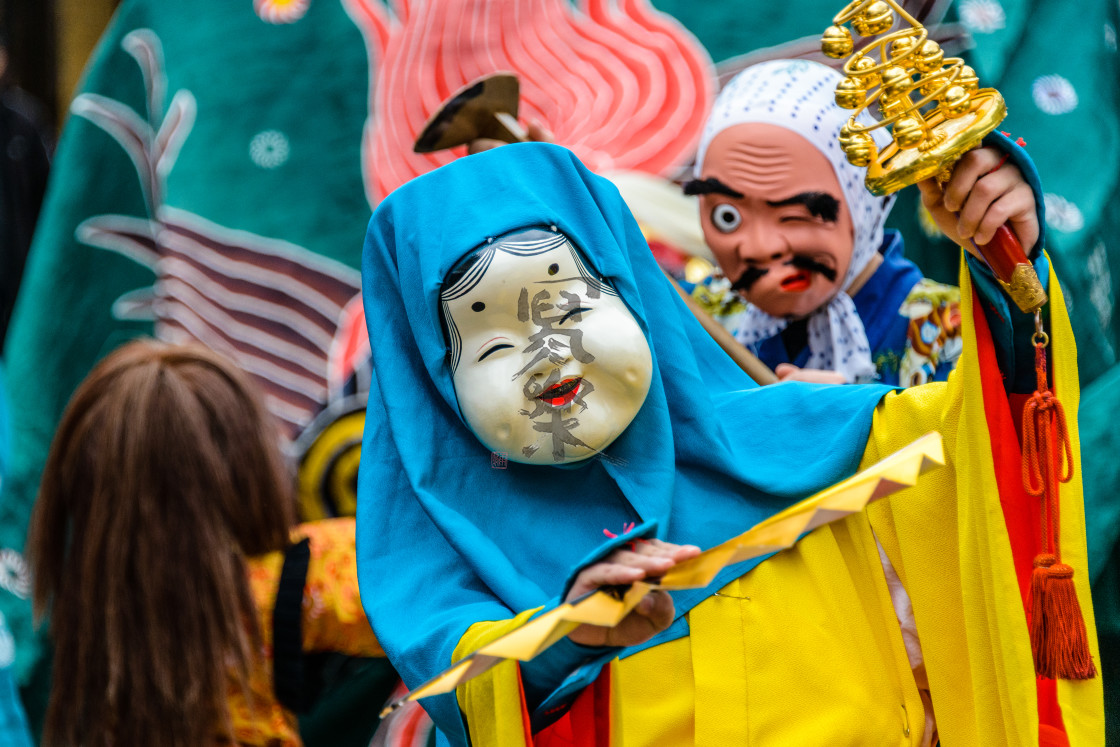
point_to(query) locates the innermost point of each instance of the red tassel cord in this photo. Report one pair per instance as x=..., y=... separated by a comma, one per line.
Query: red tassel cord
x=1058, y=637
x=626, y=529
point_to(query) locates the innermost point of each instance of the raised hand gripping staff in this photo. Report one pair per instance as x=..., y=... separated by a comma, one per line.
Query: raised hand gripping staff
x=936, y=112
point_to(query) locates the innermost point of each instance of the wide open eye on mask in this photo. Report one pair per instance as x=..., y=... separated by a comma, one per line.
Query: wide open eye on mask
x=548, y=363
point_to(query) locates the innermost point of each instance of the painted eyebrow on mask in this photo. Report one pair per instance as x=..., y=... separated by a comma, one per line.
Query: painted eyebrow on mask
x=819, y=204
x=708, y=186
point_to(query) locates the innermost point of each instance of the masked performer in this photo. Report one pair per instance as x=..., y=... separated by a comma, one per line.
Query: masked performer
x=538, y=382
x=801, y=241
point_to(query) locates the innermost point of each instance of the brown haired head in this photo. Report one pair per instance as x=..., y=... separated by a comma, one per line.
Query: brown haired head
x=164, y=474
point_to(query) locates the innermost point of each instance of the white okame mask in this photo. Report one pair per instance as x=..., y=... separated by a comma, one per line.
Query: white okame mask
x=548, y=363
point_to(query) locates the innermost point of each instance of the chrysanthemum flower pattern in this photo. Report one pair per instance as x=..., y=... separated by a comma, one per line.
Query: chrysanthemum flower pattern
x=983, y=16
x=280, y=11
x=14, y=575
x=1054, y=94
x=269, y=149
x=1062, y=215
x=1100, y=293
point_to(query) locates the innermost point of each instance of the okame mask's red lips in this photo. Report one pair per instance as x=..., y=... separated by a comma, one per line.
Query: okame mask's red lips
x=561, y=394
x=797, y=282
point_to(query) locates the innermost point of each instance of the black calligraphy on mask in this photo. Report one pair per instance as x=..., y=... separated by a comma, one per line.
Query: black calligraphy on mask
x=555, y=344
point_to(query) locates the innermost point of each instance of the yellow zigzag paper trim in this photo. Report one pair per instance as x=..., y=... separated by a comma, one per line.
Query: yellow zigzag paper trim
x=897, y=471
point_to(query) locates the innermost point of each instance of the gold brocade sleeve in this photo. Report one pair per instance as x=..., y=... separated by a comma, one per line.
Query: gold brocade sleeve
x=333, y=618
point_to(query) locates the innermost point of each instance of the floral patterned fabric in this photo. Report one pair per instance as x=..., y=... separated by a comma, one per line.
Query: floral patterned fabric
x=933, y=335
x=333, y=620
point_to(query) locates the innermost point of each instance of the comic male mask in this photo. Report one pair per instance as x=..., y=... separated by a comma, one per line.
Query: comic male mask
x=786, y=215
x=775, y=217
x=549, y=365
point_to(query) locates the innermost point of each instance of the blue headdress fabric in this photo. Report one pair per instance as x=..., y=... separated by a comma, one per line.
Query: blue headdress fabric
x=446, y=536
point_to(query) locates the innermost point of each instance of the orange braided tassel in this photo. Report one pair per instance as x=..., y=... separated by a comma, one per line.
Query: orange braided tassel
x=1059, y=640
x=1064, y=653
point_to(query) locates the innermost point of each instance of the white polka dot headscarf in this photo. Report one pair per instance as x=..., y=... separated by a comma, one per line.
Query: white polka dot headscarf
x=798, y=95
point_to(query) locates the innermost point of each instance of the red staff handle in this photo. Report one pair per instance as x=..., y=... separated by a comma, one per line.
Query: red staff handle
x=1009, y=263
x=1004, y=253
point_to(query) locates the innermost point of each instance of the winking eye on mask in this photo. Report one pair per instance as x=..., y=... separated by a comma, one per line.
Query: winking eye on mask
x=549, y=365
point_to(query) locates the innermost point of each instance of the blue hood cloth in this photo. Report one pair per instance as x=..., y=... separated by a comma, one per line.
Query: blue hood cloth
x=444, y=539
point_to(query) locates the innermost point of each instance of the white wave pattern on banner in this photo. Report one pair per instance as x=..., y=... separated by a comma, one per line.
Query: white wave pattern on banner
x=273, y=307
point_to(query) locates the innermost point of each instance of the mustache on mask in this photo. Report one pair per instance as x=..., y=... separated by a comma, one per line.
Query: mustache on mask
x=752, y=275
x=802, y=262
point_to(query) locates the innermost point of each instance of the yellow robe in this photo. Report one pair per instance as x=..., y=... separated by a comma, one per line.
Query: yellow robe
x=806, y=648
